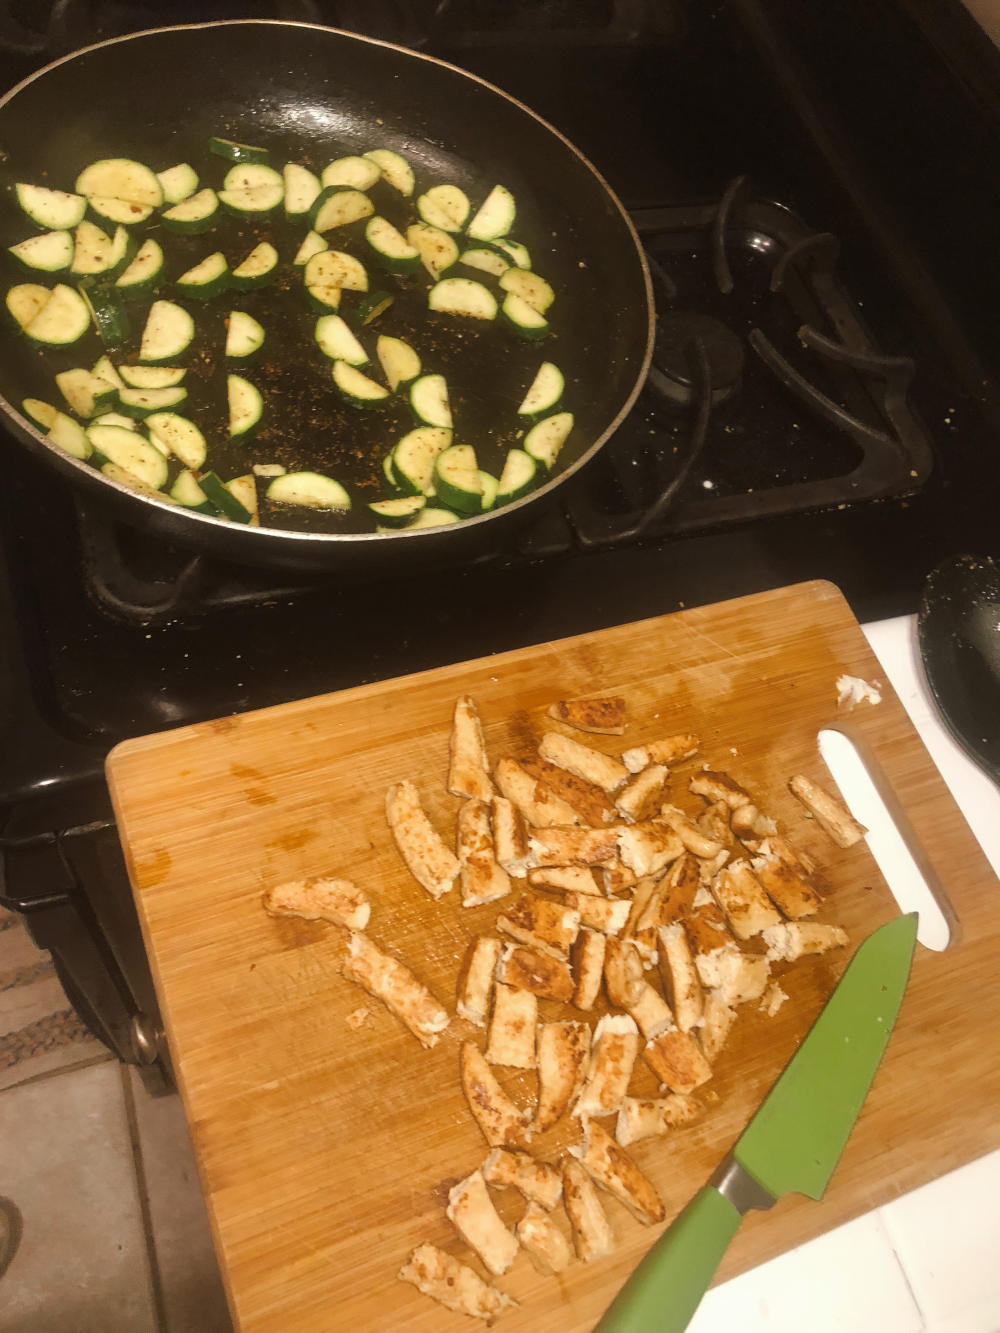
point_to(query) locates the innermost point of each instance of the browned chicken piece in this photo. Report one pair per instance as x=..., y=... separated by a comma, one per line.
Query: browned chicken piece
x=539, y=1182
x=715, y=1029
x=539, y=806
x=833, y=817
x=574, y=846
x=538, y=972
x=548, y=1248
x=583, y=761
x=475, y=987
x=482, y=880
x=610, y=1166
x=707, y=932
x=609, y=1069
x=388, y=980
x=666, y=751
x=750, y=826
x=680, y=884
x=647, y=848
x=512, y=1027
x=605, y=716
x=680, y=976
x=739, y=977
x=510, y=836
x=796, y=939
x=641, y=798
x=677, y=1061
x=320, y=899
x=785, y=878
x=468, y=773
x=604, y=914
x=624, y=976
x=616, y=878
x=592, y=1234
x=645, y=1118
x=496, y=1115
x=747, y=907
x=588, y=967
x=694, y=840
x=593, y=805
x=651, y=1012
x=644, y=915
x=719, y=787
x=433, y=865
x=470, y=1210
x=540, y=923
x=714, y=821
x=453, y=1284
x=709, y=867
x=564, y=879
x=563, y=1049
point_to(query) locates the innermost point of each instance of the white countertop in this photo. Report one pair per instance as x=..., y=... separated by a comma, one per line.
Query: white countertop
x=930, y=1261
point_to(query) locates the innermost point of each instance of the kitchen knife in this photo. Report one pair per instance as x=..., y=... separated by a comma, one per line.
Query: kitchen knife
x=792, y=1143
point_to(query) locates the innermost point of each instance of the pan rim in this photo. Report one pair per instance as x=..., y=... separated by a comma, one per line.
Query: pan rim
x=267, y=535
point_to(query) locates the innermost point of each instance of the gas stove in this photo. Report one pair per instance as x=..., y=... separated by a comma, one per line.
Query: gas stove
x=816, y=196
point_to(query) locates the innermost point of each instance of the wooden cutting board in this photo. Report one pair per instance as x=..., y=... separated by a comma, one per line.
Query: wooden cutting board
x=326, y=1150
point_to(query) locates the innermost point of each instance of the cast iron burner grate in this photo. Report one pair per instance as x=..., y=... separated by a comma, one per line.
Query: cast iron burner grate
x=768, y=396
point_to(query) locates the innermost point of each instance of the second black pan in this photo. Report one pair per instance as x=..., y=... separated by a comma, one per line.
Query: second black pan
x=311, y=94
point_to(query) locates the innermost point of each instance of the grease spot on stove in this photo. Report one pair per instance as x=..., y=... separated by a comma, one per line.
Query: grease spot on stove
x=153, y=869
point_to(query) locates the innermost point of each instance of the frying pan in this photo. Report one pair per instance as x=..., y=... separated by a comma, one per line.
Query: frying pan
x=311, y=94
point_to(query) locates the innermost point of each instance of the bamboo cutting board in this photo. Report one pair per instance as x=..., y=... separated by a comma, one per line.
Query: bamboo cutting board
x=327, y=1150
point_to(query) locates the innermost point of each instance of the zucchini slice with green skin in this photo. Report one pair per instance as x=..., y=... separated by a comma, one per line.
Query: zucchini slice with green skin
x=69, y=436
x=438, y=251
x=357, y=388
x=258, y=269
x=302, y=189
x=104, y=369
x=395, y=169
x=142, y=402
x=394, y=251
x=462, y=296
x=324, y=299
x=232, y=151
x=127, y=449
x=334, y=268
x=115, y=419
x=42, y=414
x=515, y=252
x=312, y=244
x=397, y=513
x=456, y=479
x=107, y=313
x=530, y=287
x=169, y=332
x=252, y=188
x=519, y=476
x=311, y=489
x=94, y=251
x=244, y=490
x=147, y=377
x=429, y=401
x=400, y=363
x=523, y=318
x=489, y=486
x=173, y=434
x=55, y=210
x=336, y=341
x=487, y=260
x=246, y=406
x=495, y=216
x=25, y=301
x=63, y=319
x=49, y=253
x=192, y=215
x=178, y=183
x=337, y=207
x=188, y=493
x=357, y=173
x=433, y=518
x=144, y=272
x=545, y=392
x=445, y=207
x=206, y=279
x=120, y=178
x=414, y=457
x=86, y=393
x=119, y=211
x=244, y=337
x=389, y=473
x=222, y=499
x=268, y=470
x=544, y=441
x=134, y=483
x=370, y=307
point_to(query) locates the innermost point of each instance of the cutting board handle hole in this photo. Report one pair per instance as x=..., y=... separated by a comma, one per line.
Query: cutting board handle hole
x=891, y=839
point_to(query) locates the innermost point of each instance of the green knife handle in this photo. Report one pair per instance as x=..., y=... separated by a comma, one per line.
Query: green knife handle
x=665, y=1290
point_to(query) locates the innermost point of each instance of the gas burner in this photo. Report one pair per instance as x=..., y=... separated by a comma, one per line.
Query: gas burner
x=674, y=358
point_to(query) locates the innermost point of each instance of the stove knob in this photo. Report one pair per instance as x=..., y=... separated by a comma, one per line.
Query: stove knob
x=147, y=1039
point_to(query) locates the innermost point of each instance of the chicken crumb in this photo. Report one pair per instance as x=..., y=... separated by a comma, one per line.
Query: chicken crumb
x=852, y=690
x=358, y=1018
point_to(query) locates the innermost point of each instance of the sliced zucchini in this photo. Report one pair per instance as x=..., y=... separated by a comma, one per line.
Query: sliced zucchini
x=370, y=307
x=69, y=436
x=544, y=441
x=414, y=457
x=313, y=244
x=94, y=251
x=115, y=419
x=144, y=271
x=104, y=369
x=127, y=449
x=246, y=406
x=107, y=313
x=389, y=472
x=337, y=207
x=25, y=301
x=129, y=479
x=55, y=210
x=194, y=214
x=258, y=269
x=188, y=493
x=515, y=252
x=268, y=470
x=42, y=414
x=530, y=287
x=49, y=253
x=495, y=216
x=397, y=513
x=357, y=388
x=456, y=478
x=400, y=363
x=429, y=401
x=302, y=189
x=489, y=486
x=173, y=434
x=324, y=299
x=311, y=489
x=486, y=260
x=123, y=180
x=438, y=252
x=393, y=249
x=63, y=319
x=252, y=188
x=222, y=499
x=462, y=296
x=336, y=341
x=120, y=211
x=545, y=392
x=357, y=173
x=523, y=318
x=236, y=152
x=244, y=336
x=334, y=268
x=142, y=402
x=169, y=332
x=178, y=183
x=206, y=279
x=395, y=169
x=147, y=377
x=433, y=518
x=445, y=207
x=244, y=490
x=519, y=476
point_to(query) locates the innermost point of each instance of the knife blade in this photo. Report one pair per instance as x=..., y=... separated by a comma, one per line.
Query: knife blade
x=792, y=1144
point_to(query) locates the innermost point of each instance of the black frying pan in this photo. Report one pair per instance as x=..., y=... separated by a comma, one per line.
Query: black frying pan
x=311, y=94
